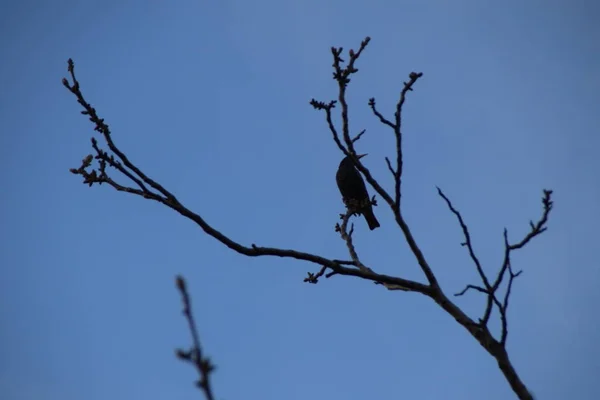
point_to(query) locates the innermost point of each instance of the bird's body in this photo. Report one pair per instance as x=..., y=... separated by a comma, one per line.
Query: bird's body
x=354, y=192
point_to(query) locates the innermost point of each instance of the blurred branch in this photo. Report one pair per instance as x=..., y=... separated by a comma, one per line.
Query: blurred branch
x=194, y=355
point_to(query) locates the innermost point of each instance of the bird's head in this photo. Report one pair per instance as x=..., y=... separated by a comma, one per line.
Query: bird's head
x=348, y=160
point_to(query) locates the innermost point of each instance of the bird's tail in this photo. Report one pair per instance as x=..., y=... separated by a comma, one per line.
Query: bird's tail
x=370, y=218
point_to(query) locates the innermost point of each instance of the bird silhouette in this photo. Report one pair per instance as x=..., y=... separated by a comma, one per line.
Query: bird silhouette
x=354, y=192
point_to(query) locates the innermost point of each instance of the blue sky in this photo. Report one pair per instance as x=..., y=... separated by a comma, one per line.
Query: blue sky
x=211, y=99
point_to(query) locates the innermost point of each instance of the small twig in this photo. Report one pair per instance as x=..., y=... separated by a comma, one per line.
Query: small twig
x=103, y=128
x=314, y=278
x=389, y=165
x=357, y=137
x=347, y=237
x=327, y=107
x=397, y=128
x=194, y=355
x=382, y=119
x=467, y=241
x=540, y=226
x=488, y=287
x=471, y=287
x=504, y=309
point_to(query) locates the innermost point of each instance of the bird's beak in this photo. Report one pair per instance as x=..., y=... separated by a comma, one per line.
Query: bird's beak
x=359, y=156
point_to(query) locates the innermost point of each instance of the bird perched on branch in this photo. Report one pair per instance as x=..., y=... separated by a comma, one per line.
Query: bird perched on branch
x=354, y=192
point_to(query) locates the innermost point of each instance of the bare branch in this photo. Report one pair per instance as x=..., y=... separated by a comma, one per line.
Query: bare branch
x=382, y=119
x=535, y=230
x=467, y=241
x=145, y=187
x=397, y=128
x=490, y=289
x=347, y=237
x=166, y=198
x=357, y=137
x=540, y=226
x=472, y=287
x=341, y=75
x=504, y=309
x=389, y=165
x=327, y=107
x=105, y=131
x=202, y=363
x=314, y=278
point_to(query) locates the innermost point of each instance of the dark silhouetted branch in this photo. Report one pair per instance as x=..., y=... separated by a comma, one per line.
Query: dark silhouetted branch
x=154, y=191
x=478, y=330
x=347, y=237
x=397, y=128
x=194, y=356
x=342, y=76
x=142, y=185
x=491, y=289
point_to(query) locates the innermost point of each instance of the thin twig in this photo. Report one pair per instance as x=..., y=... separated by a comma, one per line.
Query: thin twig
x=202, y=363
x=347, y=237
x=397, y=128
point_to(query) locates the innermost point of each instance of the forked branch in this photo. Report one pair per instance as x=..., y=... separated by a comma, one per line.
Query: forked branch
x=342, y=75
x=147, y=188
x=491, y=289
x=142, y=185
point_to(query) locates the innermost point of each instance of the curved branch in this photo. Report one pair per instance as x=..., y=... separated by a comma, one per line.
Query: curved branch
x=165, y=197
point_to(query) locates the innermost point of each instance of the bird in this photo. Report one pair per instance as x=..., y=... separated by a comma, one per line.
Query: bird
x=353, y=190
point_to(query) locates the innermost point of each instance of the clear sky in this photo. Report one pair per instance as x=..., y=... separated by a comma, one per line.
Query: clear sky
x=210, y=98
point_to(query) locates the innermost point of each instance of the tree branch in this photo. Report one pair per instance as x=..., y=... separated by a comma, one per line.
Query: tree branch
x=145, y=187
x=347, y=237
x=341, y=75
x=488, y=288
x=479, y=330
x=397, y=128
x=203, y=364
x=166, y=198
